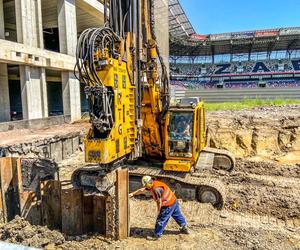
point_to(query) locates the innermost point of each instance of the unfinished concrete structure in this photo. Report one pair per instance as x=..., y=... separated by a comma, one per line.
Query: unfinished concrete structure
x=37, y=55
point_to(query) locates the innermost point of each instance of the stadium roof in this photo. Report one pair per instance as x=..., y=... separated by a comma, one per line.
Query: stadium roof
x=287, y=39
x=180, y=26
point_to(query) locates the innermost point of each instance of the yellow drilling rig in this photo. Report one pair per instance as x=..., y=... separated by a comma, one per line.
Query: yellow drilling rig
x=133, y=124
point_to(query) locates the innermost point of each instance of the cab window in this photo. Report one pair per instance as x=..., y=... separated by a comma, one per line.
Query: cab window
x=180, y=134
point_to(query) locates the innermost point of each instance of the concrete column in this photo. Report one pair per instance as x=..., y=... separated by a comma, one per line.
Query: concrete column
x=71, y=95
x=33, y=80
x=4, y=94
x=2, y=29
x=33, y=91
x=4, y=89
x=67, y=41
x=29, y=22
x=67, y=26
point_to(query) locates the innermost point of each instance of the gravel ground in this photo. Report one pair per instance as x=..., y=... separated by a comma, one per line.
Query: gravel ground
x=263, y=197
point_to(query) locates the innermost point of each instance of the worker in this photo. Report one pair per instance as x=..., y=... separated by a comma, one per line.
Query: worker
x=183, y=127
x=167, y=205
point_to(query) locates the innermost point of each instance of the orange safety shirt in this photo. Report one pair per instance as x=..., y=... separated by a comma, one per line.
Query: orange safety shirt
x=167, y=198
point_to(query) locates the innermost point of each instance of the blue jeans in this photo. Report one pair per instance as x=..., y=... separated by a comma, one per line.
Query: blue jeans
x=164, y=216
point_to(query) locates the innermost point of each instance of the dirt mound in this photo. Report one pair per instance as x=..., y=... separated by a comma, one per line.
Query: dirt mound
x=263, y=133
x=264, y=188
x=282, y=203
x=20, y=231
x=253, y=238
x=267, y=168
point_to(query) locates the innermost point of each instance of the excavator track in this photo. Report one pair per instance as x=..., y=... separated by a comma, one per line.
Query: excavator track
x=186, y=185
x=195, y=185
x=220, y=159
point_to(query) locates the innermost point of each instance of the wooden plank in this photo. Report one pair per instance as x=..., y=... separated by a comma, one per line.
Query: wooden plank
x=51, y=204
x=88, y=224
x=18, y=174
x=2, y=196
x=122, y=204
x=14, y=201
x=99, y=214
x=6, y=176
x=31, y=209
x=10, y=188
x=72, y=211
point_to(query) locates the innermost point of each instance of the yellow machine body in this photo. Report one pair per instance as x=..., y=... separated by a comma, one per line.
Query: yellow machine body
x=158, y=125
x=120, y=141
x=151, y=137
x=177, y=165
x=132, y=121
x=185, y=154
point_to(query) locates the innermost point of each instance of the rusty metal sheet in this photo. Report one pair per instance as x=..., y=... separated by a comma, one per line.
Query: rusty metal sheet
x=88, y=213
x=72, y=211
x=14, y=200
x=122, y=204
x=11, y=183
x=31, y=207
x=51, y=203
x=2, y=196
x=99, y=214
x=94, y=214
x=110, y=210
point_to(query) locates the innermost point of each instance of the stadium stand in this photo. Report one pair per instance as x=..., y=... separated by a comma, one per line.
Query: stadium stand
x=232, y=66
x=237, y=68
x=192, y=84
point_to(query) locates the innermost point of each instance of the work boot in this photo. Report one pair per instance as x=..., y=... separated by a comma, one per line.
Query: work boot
x=153, y=237
x=185, y=230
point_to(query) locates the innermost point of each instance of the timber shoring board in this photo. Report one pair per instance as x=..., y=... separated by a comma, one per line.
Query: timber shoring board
x=66, y=209
x=11, y=183
x=88, y=223
x=51, y=203
x=14, y=200
x=31, y=208
x=122, y=204
x=5, y=169
x=72, y=211
x=99, y=214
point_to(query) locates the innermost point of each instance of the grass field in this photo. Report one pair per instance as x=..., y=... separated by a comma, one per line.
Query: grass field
x=248, y=103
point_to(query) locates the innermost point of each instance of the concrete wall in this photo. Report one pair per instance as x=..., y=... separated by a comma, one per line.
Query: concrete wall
x=4, y=91
x=57, y=148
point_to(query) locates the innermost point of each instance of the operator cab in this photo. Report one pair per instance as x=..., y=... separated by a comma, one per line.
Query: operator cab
x=185, y=135
x=180, y=134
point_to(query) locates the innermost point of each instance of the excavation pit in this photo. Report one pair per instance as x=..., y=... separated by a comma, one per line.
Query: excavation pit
x=31, y=188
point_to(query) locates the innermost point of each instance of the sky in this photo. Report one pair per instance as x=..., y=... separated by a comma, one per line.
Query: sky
x=218, y=16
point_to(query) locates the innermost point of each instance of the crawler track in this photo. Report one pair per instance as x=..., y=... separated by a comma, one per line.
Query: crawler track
x=187, y=186
x=193, y=186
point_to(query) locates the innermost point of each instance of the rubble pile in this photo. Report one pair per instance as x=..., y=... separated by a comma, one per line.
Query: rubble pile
x=20, y=231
